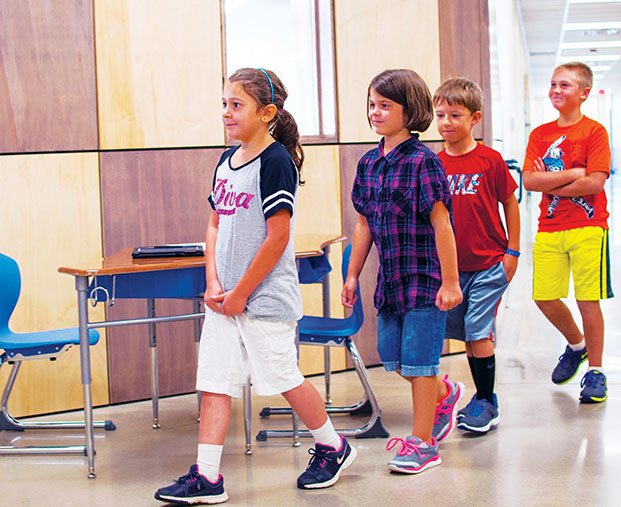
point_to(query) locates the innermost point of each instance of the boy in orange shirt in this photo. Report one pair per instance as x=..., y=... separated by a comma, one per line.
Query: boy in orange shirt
x=568, y=160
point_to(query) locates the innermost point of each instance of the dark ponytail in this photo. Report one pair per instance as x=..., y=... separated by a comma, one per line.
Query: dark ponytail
x=285, y=130
x=266, y=88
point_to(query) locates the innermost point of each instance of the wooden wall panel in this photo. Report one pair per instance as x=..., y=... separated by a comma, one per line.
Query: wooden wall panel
x=464, y=50
x=47, y=76
x=373, y=36
x=319, y=211
x=50, y=217
x=153, y=197
x=159, y=68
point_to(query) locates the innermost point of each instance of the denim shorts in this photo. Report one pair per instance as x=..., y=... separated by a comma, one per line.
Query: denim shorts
x=474, y=319
x=411, y=343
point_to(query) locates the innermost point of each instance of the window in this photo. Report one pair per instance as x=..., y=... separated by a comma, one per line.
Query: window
x=294, y=38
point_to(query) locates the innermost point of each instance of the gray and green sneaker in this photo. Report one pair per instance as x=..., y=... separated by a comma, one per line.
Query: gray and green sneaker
x=568, y=365
x=594, y=388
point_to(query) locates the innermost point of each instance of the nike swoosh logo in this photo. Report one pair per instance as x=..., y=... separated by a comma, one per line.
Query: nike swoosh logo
x=339, y=461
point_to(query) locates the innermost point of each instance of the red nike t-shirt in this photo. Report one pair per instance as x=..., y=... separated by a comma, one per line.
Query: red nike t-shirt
x=479, y=181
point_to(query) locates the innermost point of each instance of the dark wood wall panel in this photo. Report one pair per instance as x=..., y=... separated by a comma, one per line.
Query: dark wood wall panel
x=47, y=76
x=366, y=339
x=464, y=50
x=153, y=197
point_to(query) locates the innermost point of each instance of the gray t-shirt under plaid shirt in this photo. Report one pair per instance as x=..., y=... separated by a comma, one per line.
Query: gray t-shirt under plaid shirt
x=244, y=198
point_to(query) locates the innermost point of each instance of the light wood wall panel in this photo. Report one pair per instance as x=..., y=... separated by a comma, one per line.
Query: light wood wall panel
x=373, y=36
x=47, y=76
x=464, y=50
x=159, y=68
x=319, y=211
x=153, y=197
x=50, y=218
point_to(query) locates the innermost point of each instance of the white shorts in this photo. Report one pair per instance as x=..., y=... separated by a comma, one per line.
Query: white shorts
x=234, y=349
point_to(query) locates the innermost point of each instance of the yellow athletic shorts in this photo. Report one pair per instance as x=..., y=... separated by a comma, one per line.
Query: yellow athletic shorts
x=583, y=252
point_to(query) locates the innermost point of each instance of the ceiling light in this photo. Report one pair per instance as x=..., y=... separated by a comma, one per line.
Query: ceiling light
x=599, y=25
x=597, y=77
x=592, y=44
x=593, y=1
x=590, y=58
x=600, y=68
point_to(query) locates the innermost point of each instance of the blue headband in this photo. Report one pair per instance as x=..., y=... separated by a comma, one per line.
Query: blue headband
x=269, y=80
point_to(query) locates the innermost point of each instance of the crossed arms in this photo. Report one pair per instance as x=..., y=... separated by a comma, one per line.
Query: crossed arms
x=568, y=183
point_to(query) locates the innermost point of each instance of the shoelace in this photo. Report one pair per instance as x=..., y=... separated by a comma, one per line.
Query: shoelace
x=189, y=477
x=441, y=409
x=406, y=447
x=568, y=354
x=591, y=380
x=318, y=459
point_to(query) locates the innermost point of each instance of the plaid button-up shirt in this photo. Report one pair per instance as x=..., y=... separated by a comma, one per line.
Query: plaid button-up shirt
x=396, y=194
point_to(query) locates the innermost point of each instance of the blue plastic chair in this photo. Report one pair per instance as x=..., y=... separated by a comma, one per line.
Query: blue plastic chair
x=338, y=332
x=18, y=347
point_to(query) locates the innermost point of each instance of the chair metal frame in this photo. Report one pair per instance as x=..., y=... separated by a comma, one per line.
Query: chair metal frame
x=336, y=332
x=19, y=347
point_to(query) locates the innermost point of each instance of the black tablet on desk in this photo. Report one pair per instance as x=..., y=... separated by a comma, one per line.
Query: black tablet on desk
x=146, y=252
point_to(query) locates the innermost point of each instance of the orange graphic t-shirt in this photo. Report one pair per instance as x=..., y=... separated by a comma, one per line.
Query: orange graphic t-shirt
x=584, y=144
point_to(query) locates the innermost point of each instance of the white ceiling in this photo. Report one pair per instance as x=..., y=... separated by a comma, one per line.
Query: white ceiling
x=544, y=22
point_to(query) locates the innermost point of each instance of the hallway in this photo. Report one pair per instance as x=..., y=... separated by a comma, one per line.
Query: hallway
x=549, y=450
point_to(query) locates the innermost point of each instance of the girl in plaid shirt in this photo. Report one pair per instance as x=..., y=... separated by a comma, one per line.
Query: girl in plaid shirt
x=404, y=204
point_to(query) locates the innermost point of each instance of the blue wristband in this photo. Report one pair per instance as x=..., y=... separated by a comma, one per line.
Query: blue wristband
x=515, y=253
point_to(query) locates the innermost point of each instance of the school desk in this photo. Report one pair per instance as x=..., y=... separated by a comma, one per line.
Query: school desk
x=118, y=276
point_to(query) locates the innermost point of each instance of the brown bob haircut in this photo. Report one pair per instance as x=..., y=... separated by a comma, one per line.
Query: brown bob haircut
x=459, y=91
x=407, y=88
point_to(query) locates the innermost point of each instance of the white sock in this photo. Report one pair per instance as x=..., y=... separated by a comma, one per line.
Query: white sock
x=598, y=368
x=208, y=460
x=327, y=435
x=577, y=346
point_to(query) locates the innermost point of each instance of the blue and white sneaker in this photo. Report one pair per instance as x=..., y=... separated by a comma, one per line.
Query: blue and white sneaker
x=414, y=456
x=193, y=488
x=468, y=408
x=326, y=465
x=446, y=410
x=594, y=388
x=568, y=365
x=482, y=417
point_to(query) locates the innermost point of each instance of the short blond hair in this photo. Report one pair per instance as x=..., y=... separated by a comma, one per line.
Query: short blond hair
x=582, y=71
x=460, y=91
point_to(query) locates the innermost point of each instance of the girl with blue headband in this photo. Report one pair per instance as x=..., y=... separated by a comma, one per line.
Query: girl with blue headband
x=252, y=296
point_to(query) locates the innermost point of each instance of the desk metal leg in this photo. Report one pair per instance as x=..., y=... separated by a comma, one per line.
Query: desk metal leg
x=85, y=369
x=295, y=418
x=197, y=339
x=325, y=290
x=155, y=384
x=247, y=402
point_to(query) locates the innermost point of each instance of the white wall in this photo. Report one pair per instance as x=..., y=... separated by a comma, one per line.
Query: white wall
x=509, y=68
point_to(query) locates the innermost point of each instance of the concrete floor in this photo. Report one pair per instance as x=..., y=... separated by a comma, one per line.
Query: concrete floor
x=549, y=450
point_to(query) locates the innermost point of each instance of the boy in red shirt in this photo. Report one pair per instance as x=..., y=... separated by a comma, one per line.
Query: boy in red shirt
x=487, y=255
x=568, y=160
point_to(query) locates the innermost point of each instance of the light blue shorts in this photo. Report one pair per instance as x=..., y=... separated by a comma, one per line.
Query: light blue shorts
x=411, y=343
x=475, y=317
